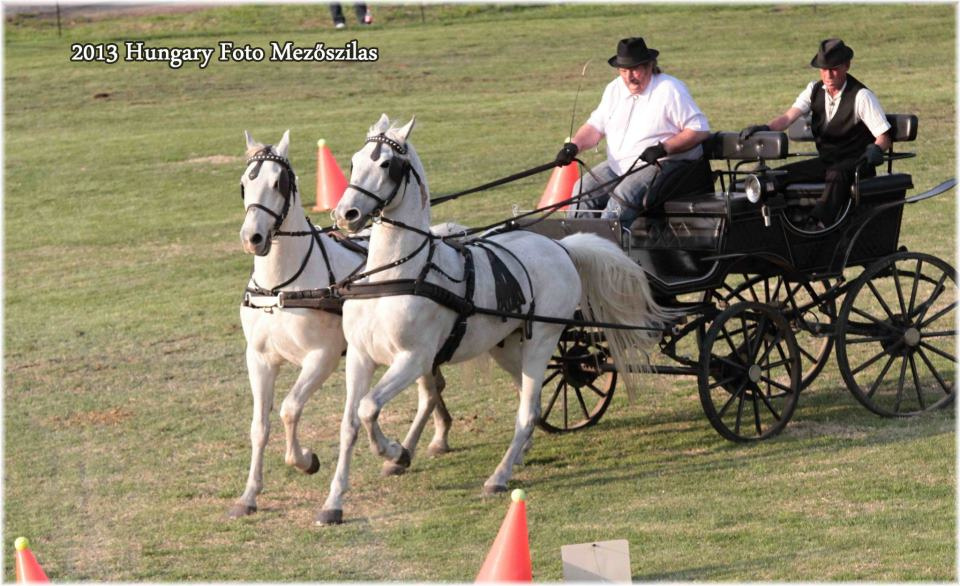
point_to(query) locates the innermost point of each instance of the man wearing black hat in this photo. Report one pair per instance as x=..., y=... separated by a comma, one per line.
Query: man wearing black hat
x=652, y=124
x=848, y=124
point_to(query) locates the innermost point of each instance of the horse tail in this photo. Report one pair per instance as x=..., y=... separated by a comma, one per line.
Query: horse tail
x=615, y=290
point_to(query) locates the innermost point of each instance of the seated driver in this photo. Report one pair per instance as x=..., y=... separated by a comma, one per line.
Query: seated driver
x=848, y=124
x=650, y=122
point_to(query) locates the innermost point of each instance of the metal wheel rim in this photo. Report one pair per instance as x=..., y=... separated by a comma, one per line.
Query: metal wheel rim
x=569, y=403
x=896, y=335
x=814, y=350
x=738, y=407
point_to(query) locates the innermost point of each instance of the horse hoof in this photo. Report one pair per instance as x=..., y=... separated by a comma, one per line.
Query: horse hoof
x=494, y=489
x=314, y=465
x=437, y=449
x=239, y=510
x=392, y=469
x=329, y=517
x=404, y=459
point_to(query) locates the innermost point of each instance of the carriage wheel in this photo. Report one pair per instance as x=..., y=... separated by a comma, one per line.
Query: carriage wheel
x=579, y=383
x=896, y=335
x=749, y=375
x=785, y=296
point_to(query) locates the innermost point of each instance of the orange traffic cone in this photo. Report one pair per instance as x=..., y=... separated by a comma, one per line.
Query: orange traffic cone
x=27, y=568
x=509, y=558
x=560, y=185
x=330, y=180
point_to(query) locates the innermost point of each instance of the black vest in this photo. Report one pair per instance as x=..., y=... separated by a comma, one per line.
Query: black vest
x=842, y=138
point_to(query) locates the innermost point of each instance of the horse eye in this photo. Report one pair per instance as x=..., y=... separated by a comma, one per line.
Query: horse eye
x=384, y=164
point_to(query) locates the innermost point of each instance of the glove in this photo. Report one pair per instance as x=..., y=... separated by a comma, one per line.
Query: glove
x=651, y=154
x=751, y=130
x=567, y=154
x=873, y=155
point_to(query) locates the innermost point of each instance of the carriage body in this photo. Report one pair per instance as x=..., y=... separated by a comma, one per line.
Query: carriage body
x=728, y=259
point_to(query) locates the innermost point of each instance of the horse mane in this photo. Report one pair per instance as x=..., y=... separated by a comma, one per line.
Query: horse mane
x=256, y=148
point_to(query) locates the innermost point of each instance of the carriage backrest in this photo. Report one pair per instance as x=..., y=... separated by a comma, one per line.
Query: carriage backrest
x=762, y=145
x=903, y=128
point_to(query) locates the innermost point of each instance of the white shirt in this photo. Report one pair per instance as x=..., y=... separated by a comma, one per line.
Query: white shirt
x=631, y=123
x=866, y=107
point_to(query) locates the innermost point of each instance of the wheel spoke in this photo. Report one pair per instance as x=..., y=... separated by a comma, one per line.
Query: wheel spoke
x=600, y=393
x=723, y=382
x=896, y=284
x=809, y=355
x=766, y=401
x=865, y=340
x=739, y=418
x=583, y=405
x=938, y=315
x=552, y=376
x=916, y=285
x=549, y=408
x=879, y=379
x=879, y=298
x=934, y=372
x=900, y=383
x=756, y=414
x=875, y=320
x=734, y=396
x=761, y=328
x=936, y=350
x=878, y=356
x=916, y=383
x=937, y=291
x=776, y=290
x=942, y=334
x=780, y=386
x=729, y=362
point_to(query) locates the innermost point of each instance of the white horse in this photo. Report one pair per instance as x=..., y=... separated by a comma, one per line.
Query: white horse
x=406, y=331
x=294, y=256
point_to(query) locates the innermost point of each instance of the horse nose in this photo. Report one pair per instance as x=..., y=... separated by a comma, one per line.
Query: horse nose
x=352, y=215
x=256, y=239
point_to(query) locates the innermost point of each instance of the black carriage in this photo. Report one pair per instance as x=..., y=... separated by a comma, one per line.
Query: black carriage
x=767, y=299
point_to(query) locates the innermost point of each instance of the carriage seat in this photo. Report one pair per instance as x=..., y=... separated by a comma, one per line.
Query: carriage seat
x=903, y=129
x=727, y=146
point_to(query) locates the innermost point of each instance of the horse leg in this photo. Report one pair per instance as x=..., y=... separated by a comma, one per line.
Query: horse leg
x=441, y=421
x=317, y=366
x=262, y=376
x=509, y=358
x=359, y=374
x=404, y=370
x=428, y=400
x=535, y=355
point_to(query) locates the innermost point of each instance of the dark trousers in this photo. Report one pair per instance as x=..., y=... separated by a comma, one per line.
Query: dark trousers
x=336, y=11
x=837, y=179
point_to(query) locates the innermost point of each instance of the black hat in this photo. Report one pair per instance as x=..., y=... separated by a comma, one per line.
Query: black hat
x=632, y=52
x=831, y=54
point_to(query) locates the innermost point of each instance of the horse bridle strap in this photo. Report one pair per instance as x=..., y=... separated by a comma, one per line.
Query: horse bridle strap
x=399, y=172
x=259, y=157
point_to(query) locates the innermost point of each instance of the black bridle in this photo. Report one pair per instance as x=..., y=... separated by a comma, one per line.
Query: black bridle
x=287, y=185
x=398, y=172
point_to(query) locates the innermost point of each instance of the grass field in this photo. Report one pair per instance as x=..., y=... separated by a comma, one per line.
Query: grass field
x=126, y=406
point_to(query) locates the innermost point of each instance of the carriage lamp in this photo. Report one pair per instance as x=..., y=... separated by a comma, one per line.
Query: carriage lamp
x=756, y=192
x=754, y=188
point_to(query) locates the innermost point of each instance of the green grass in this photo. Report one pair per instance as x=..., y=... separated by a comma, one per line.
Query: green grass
x=126, y=403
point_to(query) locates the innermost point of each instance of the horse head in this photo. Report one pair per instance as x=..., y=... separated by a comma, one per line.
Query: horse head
x=380, y=173
x=268, y=188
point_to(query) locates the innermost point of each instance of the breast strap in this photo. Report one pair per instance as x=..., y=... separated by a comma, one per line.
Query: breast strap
x=420, y=287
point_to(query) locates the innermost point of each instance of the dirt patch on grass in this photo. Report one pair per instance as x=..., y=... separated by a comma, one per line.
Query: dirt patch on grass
x=113, y=416
x=214, y=160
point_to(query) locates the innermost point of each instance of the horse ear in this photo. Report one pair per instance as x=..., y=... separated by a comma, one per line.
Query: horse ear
x=382, y=125
x=404, y=133
x=250, y=140
x=284, y=145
